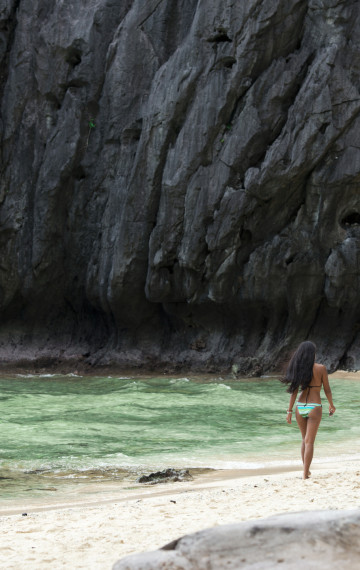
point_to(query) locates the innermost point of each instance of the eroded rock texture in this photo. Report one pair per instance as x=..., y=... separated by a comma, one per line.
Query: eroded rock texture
x=180, y=181
x=315, y=540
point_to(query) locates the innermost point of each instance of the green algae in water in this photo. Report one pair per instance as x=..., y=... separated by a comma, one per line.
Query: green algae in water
x=77, y=429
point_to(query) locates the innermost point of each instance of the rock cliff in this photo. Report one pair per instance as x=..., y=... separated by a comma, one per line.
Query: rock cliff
x=180, y=181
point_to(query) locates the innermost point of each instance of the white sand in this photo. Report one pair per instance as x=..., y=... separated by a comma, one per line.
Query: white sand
x=94, y=536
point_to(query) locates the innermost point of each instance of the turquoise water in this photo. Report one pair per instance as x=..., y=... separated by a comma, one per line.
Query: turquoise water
x=79, y=429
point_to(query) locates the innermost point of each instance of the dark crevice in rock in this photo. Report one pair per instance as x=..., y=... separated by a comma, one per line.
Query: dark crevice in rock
x=323, y=128
x=132, y=133
x=346, y=362
x=290, y=259
x=180, y=115
x=52, y=98
x=79, y=173
x=245, y=236
x=220, y=36
x=351, y=219
x=76, y=83
x=73, y=56
x=9, y=27
x=295, y=212
x=227, y=61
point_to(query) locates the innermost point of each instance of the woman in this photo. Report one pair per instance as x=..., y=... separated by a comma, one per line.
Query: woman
x=303, y=373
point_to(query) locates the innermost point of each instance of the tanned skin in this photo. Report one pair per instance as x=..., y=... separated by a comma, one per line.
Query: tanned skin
x=309, y=426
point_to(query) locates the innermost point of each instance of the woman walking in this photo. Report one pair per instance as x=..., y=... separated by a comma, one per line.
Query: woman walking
x=304, y=374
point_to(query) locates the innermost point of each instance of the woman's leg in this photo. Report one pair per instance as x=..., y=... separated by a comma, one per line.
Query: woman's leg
x=302, y=423
x=313, y=422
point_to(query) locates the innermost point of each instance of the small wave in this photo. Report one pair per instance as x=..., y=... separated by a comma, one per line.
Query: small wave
x=46, y=375
x=70, y=375
x=130, y=385
x=24, y=375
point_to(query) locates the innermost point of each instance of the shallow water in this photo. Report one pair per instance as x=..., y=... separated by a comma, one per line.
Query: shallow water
x=69, y=431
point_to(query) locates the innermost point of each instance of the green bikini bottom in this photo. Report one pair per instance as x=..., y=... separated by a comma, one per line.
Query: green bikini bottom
x=305, y=409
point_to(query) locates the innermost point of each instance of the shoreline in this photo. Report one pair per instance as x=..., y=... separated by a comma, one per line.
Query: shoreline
x=97, y=533
x=92, y=492
x=209, y=478
x=77, y=369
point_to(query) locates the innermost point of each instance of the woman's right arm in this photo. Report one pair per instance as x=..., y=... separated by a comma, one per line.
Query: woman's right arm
x=291, y=405
x=327, y=391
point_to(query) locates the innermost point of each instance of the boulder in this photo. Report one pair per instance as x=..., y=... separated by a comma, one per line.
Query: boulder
x=165, y=476
x=313, y=540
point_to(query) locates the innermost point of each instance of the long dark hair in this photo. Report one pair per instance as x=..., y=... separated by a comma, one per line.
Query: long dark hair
x=300, y=368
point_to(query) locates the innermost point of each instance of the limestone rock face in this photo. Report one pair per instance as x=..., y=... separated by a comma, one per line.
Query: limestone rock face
x=314, y=540
x=180, y=181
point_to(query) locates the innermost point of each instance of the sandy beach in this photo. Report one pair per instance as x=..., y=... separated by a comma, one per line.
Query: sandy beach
x=96, y=534
x=110, y=521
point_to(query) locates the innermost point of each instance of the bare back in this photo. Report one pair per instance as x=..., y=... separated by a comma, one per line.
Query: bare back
x=319, y=379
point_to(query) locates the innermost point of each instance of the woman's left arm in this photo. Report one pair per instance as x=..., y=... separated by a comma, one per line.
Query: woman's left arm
x=291, y=405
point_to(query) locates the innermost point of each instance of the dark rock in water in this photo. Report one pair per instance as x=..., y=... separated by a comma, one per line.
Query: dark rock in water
x=179, y=182
x=165, y=476
x=313, y=540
